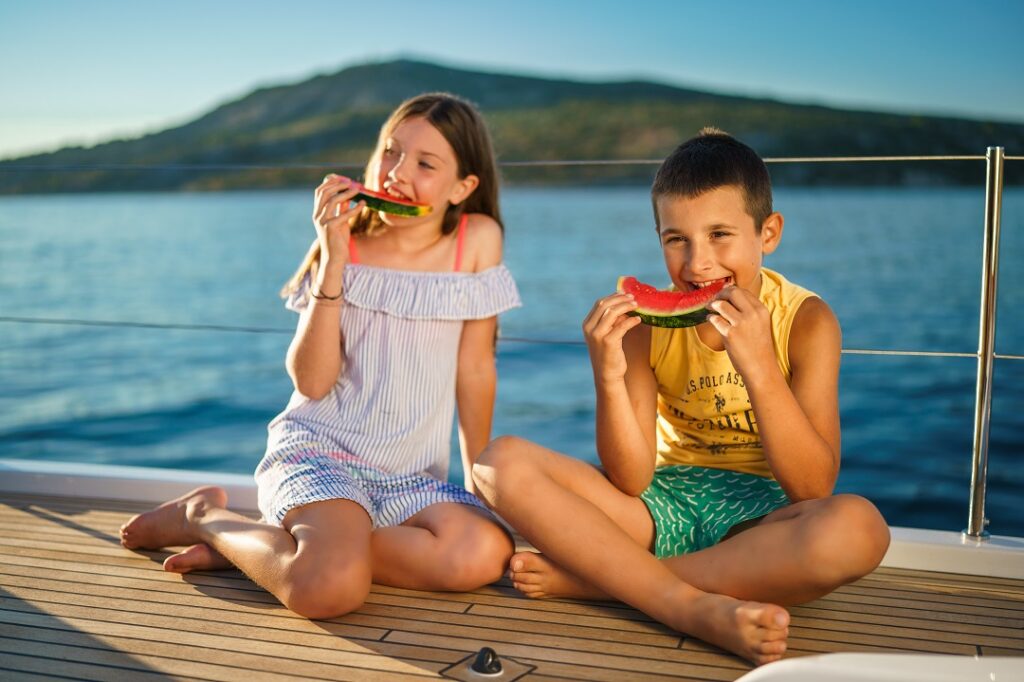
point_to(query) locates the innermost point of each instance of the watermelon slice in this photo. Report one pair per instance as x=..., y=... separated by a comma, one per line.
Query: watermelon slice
x=385, y=203
x=661, y=308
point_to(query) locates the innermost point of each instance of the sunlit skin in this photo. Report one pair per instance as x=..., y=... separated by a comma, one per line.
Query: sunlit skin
x=594, y=532
x=711, y=237
x=321, y=560
x=417, y=164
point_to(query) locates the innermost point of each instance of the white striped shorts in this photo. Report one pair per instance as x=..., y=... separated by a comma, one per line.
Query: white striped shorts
x=294, y=477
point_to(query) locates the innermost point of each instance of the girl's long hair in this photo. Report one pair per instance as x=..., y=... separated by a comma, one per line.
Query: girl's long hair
x=463, y=127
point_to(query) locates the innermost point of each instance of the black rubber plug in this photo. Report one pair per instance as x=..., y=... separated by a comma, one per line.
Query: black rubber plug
x=486, y=662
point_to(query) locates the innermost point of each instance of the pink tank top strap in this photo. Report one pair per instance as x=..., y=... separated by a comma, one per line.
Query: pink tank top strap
x=460, y=240
x=353, y=255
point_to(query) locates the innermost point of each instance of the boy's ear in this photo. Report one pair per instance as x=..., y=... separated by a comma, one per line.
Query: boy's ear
x=463, y=189
x=771, y=232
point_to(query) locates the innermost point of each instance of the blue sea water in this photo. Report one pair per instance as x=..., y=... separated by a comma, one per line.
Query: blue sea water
x=900, y=267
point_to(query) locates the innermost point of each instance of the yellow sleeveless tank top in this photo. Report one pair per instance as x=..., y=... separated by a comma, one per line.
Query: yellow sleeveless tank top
x=704, y=413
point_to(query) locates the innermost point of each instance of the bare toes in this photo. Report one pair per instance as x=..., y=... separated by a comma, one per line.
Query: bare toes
x=530, y=591
x=199, y=557
x=526, y=578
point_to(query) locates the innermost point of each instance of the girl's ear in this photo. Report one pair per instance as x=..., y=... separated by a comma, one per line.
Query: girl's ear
x=463, y=188
x=771, y=232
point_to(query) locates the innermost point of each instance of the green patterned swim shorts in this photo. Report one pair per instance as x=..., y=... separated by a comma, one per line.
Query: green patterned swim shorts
x=695, y=507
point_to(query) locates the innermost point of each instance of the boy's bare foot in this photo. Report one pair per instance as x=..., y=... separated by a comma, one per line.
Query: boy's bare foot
x=168, y=524
x=538, y=577
x=199, y=557
x=752, y=630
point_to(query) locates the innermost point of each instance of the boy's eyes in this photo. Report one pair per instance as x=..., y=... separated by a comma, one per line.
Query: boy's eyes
x=679, y=240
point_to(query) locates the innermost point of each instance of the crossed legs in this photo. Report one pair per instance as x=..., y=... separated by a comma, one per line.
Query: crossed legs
x=321, y=563
x=595, y=542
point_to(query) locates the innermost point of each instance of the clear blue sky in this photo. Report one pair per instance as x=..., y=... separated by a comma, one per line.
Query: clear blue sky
x=84, y=71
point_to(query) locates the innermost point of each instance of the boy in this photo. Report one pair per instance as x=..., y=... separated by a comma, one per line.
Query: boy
x=719, y=443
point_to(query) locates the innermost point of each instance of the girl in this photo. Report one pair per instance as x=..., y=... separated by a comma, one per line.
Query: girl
x=397, y=323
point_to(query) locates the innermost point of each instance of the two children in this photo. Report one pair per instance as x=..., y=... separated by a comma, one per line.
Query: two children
x=719, y=443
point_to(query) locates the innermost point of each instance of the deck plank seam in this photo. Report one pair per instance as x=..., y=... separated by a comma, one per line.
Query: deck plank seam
x=592, y=633
x=248, y=668
x=70, y=628
x=598, y=628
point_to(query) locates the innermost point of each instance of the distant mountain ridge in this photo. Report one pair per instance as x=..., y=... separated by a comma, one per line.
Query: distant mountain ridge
x=332, y=121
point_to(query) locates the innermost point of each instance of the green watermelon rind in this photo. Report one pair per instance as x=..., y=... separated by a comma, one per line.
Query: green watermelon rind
x=687, y=316
x=690, y=319
x=392, y=207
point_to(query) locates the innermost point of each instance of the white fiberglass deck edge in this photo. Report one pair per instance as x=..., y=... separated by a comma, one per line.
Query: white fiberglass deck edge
x=1000, y=556
x=914, y=548
x=137, y=484
x=858, y=667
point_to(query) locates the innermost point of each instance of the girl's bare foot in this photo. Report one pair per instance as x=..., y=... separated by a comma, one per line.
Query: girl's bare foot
x=168, y=524
x=538, y=577
x=752, y=630
x=199, y=557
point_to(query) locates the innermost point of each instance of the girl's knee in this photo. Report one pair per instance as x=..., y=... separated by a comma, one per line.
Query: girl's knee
x=476, y=560
x=326, y=590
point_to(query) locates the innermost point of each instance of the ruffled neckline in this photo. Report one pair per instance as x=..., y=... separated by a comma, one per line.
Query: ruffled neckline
x=424, y=295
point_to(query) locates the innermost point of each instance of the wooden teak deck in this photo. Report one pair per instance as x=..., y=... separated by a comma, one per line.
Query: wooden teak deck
x=75, y=604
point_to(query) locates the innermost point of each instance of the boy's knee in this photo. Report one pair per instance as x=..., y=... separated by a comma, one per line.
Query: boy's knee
x=851, y=538
x=327, y=590
x=870, y=527
x=500, y=462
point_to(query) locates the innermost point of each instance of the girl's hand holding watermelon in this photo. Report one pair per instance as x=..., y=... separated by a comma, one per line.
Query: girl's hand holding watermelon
x=332, y=216
x=745, y=325
x=603, y=329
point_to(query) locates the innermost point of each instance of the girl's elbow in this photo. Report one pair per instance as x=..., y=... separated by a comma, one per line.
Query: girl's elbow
x=314, y=392
x=312, y=387
x=311, y=390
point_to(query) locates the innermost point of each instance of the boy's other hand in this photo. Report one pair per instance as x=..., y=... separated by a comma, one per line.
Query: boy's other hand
x=603, y=329
x=745, y=326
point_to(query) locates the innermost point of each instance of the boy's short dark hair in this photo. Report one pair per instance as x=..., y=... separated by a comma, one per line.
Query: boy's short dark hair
x=711, y=160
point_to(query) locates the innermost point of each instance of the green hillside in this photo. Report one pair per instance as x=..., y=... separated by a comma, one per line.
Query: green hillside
x=290, y=134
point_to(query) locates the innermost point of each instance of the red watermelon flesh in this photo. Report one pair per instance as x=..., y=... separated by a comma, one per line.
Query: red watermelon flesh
x=666, y=308
x=381, y=201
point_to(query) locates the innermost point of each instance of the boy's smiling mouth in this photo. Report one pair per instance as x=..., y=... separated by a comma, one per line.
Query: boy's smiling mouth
x=700, y=285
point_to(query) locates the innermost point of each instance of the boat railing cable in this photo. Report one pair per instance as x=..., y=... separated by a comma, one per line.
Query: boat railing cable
x=249, y=329
x=538, y=163
x=994, y=158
